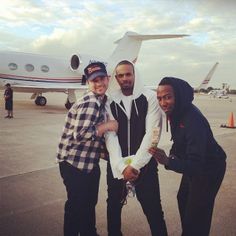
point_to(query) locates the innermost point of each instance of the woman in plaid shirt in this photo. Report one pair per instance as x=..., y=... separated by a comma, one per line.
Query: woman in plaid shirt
x=81, y=146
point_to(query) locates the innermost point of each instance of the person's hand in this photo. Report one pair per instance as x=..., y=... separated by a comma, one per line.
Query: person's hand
x=159, y=155
x=130, y=173
x=111, y=125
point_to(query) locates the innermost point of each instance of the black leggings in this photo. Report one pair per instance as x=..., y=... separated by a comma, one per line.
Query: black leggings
x=196, y=199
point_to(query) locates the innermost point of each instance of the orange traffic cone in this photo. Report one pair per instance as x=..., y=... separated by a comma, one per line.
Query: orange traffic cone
x=231, y=121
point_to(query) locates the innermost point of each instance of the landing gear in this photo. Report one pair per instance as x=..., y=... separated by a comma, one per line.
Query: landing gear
x=68, y=104
x=40, y=101
x=71, y=98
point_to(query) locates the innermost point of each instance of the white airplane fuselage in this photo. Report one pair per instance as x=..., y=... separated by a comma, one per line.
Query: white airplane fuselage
x=220, y=93
x=33, y=70
x=38, y=74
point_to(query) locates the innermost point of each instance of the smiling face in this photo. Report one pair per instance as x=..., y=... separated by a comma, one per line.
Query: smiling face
x=99, y=85
x=166, y=98
x=125, y=78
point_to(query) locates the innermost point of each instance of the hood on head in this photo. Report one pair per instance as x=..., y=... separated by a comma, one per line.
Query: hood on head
x=114, y=90
x=183, y=94
x=183, y=100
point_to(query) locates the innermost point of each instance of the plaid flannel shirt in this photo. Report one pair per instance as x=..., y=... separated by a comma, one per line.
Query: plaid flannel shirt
x=79, y=144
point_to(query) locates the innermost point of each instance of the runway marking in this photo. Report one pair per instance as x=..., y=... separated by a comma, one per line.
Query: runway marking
x=25, y=173
x=28, y=209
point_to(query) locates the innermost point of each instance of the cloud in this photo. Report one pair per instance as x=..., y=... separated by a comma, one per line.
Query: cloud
x=65, y=27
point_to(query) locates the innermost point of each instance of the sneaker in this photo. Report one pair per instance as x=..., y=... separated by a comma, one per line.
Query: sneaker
x=7, y=117
x=10, y=117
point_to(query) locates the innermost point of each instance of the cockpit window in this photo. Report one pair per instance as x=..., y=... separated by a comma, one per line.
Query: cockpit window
x=44, y=68
x=29, y=67
x=12, y=66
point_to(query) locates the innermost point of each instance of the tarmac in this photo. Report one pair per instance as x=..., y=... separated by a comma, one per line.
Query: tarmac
x=32, y=193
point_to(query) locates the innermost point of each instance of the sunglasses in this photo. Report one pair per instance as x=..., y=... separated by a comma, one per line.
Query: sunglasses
x=120, y=76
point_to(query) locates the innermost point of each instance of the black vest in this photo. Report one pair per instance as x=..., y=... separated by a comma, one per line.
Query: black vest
x=137, y=125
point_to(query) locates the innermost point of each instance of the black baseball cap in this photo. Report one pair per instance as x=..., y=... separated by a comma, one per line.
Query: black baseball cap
x=94, y=70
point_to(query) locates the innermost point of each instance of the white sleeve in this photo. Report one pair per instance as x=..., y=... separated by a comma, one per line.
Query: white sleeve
x=153, y=120
x=115, y=154
x=116, y=160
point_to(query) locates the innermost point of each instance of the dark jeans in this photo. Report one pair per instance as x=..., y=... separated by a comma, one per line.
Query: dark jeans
x=82, y=194
x=148, y=194
x=196, y=199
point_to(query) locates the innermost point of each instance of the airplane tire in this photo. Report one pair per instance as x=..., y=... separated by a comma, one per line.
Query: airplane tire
x=37, y=101
x=41, y=101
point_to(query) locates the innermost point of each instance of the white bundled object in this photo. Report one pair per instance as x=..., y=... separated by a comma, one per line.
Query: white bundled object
x=155, y=136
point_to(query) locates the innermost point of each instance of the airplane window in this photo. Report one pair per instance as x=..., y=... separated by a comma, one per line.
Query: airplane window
x=44, y=68
x=29, y=67
x=12, y=66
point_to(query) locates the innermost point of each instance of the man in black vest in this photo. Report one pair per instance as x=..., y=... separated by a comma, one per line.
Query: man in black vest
x=136, y=110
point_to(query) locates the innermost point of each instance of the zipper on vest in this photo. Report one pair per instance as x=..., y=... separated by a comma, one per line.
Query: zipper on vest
x=128, y=137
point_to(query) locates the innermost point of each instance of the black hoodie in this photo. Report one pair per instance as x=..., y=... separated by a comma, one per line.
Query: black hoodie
x=194, y=148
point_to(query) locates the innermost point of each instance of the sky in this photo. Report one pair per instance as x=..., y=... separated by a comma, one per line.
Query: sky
x=65, y=27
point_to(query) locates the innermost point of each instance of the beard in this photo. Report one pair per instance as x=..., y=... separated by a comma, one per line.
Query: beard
x=127, y=89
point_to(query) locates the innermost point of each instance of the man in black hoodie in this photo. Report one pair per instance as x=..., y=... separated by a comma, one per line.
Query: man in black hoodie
x=194, y=153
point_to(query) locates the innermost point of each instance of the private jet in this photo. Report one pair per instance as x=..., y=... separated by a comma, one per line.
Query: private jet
x=38, y=74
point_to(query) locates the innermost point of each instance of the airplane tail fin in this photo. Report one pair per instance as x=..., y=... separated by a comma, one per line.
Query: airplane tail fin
x=207, y=79
x=129, y=45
